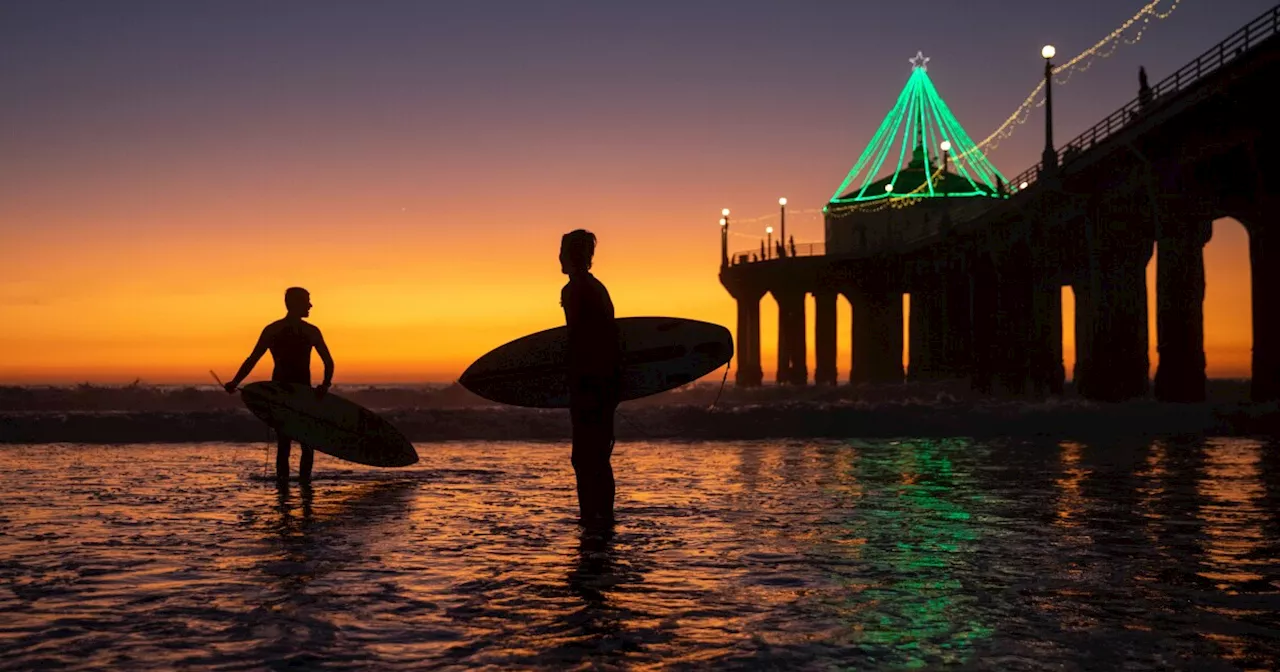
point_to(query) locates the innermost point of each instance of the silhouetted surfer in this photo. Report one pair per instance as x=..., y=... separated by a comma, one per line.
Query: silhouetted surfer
x=290, y=341
x=595, y=366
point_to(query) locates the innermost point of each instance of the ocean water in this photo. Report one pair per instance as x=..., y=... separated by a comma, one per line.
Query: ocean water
x=745, y=555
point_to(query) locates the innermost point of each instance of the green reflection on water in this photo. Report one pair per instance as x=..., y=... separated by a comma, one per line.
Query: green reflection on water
x=906, y=606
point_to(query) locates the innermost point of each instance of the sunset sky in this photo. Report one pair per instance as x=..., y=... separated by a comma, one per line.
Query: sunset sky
x=167, y=169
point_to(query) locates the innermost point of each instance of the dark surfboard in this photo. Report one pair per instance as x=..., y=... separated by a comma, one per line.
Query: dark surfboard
x=329, y=424
x=658, y=354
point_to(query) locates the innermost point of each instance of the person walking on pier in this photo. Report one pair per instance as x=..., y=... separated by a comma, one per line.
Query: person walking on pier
x=1144, y=89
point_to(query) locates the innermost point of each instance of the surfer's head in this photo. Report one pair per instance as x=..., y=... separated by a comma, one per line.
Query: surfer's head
x=298, y=301
x=576, y=250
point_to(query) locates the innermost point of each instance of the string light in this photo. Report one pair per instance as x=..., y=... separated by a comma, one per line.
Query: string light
x=918, y=122
x=1062, y=74
x=1112, y=42
x=1080, y=63
x=1113, y=39
x=790, y=213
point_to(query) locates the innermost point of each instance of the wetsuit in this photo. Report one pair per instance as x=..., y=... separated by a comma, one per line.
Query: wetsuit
x=290, y=342
x=594, y=370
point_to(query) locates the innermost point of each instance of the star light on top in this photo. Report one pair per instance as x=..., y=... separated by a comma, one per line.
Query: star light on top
x=919, y=61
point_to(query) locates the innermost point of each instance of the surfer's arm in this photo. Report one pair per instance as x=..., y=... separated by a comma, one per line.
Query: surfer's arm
x=565, y=301
x=572, y=303
x=323, y=351
x=258, y=351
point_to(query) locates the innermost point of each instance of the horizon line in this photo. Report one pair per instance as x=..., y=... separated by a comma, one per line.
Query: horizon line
x=143, y=383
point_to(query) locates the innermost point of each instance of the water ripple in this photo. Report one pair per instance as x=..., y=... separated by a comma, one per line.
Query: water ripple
x=798, y=555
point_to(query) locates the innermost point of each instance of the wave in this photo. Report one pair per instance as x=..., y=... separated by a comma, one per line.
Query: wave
x=138, y=396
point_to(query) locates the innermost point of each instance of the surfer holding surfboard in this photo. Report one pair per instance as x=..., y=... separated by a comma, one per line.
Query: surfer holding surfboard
x=594, y=363
x=290, y=341
x=591, y=364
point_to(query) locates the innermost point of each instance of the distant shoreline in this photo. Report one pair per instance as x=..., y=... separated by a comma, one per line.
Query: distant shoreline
x=701, y=412
x=1053, y=419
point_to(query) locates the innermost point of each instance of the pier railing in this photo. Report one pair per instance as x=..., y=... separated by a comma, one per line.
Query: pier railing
x=801, y=250
x=1235, y=46
x=1238, y=44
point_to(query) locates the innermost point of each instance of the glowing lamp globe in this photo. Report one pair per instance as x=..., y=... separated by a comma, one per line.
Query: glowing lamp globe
x=888, y=188
x=725, y=212
x=1048, y=51
x=782, y=201
x=945, y=146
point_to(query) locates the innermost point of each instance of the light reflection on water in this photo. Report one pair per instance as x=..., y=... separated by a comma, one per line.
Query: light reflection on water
x=866, y=554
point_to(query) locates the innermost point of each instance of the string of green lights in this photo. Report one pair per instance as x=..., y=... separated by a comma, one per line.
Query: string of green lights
x=925, y=133
x=1136, y=25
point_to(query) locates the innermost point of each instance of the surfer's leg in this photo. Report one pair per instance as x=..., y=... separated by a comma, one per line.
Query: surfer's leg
x=282, y=457
x=304, y=463
x=607, y=487
x=591, y=449
x=580, y=459
x=591, y=412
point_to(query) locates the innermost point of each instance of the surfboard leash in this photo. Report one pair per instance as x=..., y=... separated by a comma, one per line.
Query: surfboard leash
x=722, y=382
x=266, y=448
x=650, y=437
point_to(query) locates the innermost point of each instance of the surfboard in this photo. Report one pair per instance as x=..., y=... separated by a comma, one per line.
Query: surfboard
x=658, y=354
x=330, y=424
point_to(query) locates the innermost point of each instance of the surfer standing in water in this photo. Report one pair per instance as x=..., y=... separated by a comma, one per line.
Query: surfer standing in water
x=594, y=368
x=290, y=341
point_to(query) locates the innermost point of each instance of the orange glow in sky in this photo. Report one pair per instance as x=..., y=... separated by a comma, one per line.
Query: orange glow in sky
x=166, y=308
x=168, y=173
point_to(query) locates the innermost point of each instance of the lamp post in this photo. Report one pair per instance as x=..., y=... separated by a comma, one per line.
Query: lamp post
x=946, y=150
x=724, y=238
x=769, y=232
x=1049, y=159
x=782, y=204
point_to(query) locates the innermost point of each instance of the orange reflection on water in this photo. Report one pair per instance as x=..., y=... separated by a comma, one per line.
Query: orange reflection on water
x=1233, y=508
x=786, y=554
x=1151, y=490
x=1070, y=503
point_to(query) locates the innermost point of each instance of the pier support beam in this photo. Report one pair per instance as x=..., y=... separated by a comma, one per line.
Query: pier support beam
x=1048, y=375
x=953, y=352
x=984, y=305
x=940, y=321
x=1082, y=330
x=921, y=319
x=1119, y=362
x=1264, y=258
x=1015, y=321
x=749, y=373
x=824, y=337
x=1180, y=372
x=798, y=343
x=877, y=335
x=792, y=349
x=928, y=352
x=783, y=371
